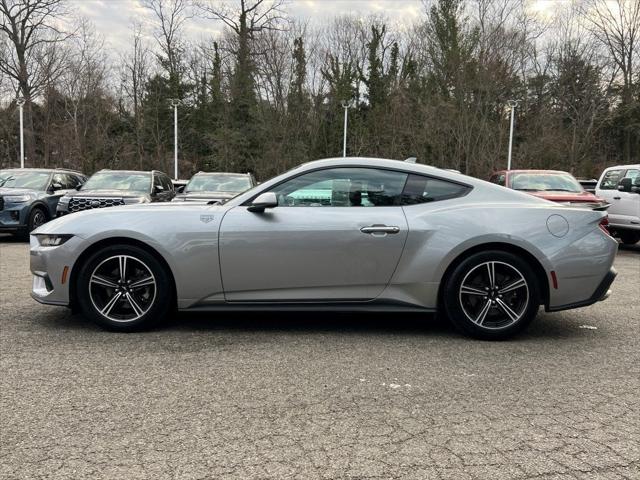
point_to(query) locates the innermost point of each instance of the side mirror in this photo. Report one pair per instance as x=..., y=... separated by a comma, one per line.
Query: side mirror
x=56, y=186
x=263, y=201
x=629, y=185
x=180, y=189
x=158, y=189
x=79, y=186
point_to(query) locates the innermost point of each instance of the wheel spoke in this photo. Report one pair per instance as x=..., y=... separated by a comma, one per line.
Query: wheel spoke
x=142, y=283
x=467, y=290
x=507, y=309
x=491, y=270
x=100, y=280
x=136, y=308
x=121, y=278
x=122, y=261
x=483, y=313
x=109, y=306
x=513, y=286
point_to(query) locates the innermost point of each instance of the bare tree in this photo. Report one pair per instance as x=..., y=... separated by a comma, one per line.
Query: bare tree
x=171, y=16
x=616, y=24
x=27, y=28
x=135, y=71
x=249, y=16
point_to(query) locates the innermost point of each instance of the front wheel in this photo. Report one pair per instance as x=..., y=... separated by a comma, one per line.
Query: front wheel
x=124, y=288
x=491, y=295
x=36, y=218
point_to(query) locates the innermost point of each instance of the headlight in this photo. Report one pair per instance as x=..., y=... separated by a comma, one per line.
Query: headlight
x=17, y=198
x=52, y=240
x=63, y=201
x=134, y=200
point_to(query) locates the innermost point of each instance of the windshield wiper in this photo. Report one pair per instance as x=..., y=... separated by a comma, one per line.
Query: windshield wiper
x=5, y=180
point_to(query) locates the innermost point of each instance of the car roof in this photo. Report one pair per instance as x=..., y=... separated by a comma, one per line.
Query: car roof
x=44, y=170
x=129, y=171
x=534, y=171
x=222, y=173
x=364, y=162
x=633, y=165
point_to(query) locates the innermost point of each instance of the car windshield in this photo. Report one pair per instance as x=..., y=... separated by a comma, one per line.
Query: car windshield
x=138, y=182
x=545, y=182
x=218, y=183
x=23, y=179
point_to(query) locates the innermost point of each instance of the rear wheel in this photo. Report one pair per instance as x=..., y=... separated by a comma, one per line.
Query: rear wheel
x=124, y=288
x=630, y=238
x=491, y=295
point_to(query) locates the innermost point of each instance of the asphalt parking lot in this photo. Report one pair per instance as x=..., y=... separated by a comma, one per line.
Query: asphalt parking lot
x=314, y=396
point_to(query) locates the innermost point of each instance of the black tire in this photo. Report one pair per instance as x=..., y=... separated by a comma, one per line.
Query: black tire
x=37, y=216
x=461, y=305
x=136, y=308
x=629, y=238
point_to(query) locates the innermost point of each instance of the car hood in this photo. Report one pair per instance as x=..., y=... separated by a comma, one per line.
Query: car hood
x=17, y=191
x=123, y=218
x=106, y=194
x=205, y=196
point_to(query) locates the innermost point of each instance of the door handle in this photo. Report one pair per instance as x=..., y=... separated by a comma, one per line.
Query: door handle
x=616, y=198
x=373, y=229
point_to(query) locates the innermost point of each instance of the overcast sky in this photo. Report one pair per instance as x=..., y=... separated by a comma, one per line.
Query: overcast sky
x=113, y=18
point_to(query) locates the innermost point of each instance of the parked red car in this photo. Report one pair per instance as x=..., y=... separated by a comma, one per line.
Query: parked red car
x=554, y=185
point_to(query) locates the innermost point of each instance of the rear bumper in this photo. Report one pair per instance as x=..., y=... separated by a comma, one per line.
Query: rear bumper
x=602, y=292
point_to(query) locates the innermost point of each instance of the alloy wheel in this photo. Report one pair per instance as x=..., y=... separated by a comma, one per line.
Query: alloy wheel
x=122, y=288
x=37, y=219
x=494, y=295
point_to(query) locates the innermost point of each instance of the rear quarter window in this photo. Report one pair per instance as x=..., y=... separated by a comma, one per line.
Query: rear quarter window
x=420, y=189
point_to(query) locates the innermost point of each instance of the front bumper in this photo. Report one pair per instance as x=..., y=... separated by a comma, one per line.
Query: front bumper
x=602, y=292
x=47, y=265
x=13, y=217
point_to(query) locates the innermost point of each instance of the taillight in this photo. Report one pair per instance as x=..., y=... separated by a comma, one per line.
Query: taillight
x=604, y=223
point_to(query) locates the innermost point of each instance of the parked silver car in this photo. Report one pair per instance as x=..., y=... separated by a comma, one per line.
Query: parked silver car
x=347, y=234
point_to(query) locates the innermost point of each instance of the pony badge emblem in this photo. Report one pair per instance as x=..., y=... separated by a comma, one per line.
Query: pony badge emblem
x=206, y=218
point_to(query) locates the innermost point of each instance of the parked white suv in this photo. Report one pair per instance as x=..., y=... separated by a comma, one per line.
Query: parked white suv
x=620, y=186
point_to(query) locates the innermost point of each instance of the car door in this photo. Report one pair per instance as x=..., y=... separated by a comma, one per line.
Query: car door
x=628, y=203
x=608, y=189
x=63, y=184
x=336, y=235
x=169, y=189
x=159, y=194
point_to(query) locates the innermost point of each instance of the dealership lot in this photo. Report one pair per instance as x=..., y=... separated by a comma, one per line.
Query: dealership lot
x=317, y=396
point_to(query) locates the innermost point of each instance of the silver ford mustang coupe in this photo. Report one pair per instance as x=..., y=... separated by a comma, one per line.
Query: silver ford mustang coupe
x=347, y=234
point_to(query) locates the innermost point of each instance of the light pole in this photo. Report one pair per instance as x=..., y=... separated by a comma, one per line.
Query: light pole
x=346, y=105
x=174, y=103
x=512, y=104
x=20, y=103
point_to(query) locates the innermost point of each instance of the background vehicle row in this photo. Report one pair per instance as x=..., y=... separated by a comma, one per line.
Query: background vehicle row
x=109, y=188
x=29, y=196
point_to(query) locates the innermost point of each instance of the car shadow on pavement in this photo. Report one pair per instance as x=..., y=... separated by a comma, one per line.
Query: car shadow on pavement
x=545, y=327
x=311, y=322
x=6, y=238
x=630, y=248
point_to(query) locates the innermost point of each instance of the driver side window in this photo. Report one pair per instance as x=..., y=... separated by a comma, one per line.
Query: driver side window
x=342, y=187
x=60, y=181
